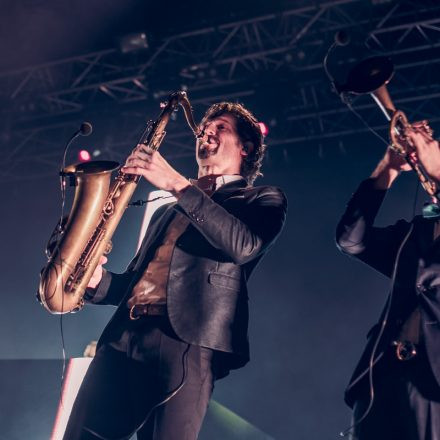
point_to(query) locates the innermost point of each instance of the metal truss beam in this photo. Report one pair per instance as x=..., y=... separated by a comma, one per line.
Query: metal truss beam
x=275, y=58
x=213, y=57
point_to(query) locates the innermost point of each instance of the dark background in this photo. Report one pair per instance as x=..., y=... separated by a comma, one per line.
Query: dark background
x=310, y=306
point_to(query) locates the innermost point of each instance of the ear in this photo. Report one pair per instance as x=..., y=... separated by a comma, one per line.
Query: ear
x=247, y=148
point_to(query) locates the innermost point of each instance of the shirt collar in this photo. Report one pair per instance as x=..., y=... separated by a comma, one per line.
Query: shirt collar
x=214, y=182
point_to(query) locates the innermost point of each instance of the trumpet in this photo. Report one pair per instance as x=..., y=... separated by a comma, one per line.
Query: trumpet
x=372, y=76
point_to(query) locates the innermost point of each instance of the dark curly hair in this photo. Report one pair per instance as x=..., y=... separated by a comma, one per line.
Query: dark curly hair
x=248, y=131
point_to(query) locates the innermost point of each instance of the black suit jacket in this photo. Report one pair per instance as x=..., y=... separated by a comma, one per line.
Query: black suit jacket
x=410, y=249
x=207, y=299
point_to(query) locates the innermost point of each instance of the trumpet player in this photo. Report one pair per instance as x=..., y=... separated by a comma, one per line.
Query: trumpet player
x=394, y=390
x=182, y=315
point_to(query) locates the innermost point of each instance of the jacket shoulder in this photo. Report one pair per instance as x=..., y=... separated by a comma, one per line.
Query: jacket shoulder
x=267, y=193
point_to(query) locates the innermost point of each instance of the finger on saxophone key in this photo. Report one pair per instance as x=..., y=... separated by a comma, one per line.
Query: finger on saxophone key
x=97, y=274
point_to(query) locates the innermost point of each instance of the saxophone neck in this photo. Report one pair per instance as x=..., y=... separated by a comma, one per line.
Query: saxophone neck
x=181, y=98
x=155, y=131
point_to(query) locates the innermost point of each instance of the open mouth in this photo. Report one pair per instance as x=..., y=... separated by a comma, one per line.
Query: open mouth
x=207, y=149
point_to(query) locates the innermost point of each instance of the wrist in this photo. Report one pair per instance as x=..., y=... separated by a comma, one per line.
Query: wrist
x=179, y=186
x=436, y=178
x=384, y=175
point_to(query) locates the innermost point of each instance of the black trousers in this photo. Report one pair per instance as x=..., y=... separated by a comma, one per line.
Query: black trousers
x=406, y=403
x=127, y=380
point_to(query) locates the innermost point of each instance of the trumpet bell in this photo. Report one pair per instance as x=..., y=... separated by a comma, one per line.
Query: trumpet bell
x=369, y=75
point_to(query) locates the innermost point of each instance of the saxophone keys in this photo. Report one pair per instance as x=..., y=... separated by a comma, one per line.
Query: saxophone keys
x=108, y=208
x=108, y=247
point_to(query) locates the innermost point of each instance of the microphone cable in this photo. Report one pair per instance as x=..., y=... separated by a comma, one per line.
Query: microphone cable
x=379, y=336
x=85, y=129
x=166, y=399
x=141, y=202
x=383, y=324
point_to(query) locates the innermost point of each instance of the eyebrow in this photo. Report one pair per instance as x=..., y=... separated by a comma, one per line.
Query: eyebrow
x=225, y=121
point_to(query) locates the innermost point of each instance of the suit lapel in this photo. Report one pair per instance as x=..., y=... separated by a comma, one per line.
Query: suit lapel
x=228, y=190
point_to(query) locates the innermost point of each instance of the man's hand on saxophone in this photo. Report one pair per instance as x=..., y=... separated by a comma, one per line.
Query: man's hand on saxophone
x=97, y=275
x=153, y=167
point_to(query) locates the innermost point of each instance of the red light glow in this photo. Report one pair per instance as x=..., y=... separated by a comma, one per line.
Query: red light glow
x=264, y=129
x=84, y=156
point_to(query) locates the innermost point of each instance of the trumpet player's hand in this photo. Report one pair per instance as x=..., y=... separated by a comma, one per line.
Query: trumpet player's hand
x=153, y=167
x=426, y=149
x=97, y=275
x=388, y=169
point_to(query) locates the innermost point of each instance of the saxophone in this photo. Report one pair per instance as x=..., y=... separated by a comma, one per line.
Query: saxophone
x=97, y=208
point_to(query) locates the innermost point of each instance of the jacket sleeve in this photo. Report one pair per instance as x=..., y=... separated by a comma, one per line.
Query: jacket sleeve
x=241, y=239
x=357, y=236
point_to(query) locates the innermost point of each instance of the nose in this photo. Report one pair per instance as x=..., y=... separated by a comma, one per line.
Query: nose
x=209, y=129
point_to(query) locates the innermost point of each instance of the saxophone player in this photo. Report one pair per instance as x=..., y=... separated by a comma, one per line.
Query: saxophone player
x=182, y=313
x=394, y=390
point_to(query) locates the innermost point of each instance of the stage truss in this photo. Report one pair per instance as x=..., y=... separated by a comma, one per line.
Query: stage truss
x=271, y=62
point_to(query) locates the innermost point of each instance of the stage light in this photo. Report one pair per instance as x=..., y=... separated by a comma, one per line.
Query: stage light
x=96, y=153
x=264, y=129
x=84, y=156
x=133, y=42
